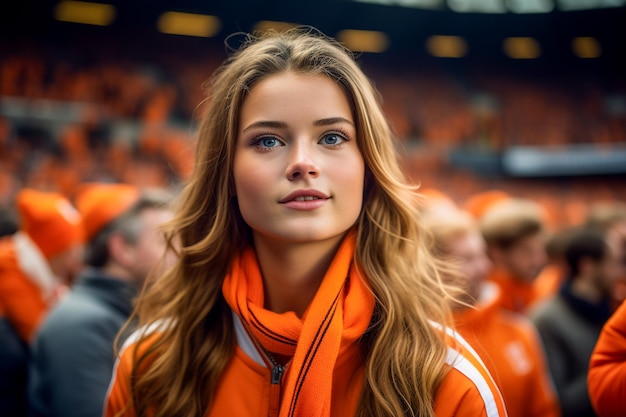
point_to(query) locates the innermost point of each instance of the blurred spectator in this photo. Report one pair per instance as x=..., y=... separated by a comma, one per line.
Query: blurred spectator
x=514, y=232
x=552, y=276
x=607, y=369
x=569, y=323
x=36, y=263
x=506, y=341
x=73, y=354
x=612, y=216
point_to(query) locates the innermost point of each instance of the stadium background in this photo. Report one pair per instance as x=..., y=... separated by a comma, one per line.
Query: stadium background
x=526, y=96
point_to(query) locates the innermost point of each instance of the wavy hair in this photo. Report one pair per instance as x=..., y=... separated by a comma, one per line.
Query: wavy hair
x=177, y=375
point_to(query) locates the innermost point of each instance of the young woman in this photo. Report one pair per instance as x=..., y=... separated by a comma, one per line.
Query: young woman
x=304, y=286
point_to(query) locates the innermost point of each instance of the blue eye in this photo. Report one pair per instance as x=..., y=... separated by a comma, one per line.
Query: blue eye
x=268, y=142
x=332, y=139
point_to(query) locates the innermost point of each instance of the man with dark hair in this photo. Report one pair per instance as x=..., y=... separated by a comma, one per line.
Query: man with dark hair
x=570, y=322
x=73, y=354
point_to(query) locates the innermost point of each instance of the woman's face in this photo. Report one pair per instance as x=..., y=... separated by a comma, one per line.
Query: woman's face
x=298, y=170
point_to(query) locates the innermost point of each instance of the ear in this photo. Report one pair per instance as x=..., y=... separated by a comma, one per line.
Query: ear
x=120, y=251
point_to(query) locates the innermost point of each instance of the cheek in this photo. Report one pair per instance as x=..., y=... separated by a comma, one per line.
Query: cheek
x=352, y=177
x=251, y=185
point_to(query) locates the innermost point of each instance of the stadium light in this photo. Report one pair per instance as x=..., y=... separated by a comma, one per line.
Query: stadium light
x=87, y=13
x=530, y=6
x=189, y=24
x=477, y=6
x=446, y=46
x=586, y=47
x=522, y=48
x=416, y=4
x=364, y=40
x=265, y=25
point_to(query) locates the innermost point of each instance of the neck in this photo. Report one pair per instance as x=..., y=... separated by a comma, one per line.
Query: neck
x=502, y=272
x=292, y=273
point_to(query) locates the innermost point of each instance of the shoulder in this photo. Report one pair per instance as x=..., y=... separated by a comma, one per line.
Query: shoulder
x=548, y=310
x=137, y=345
x=467, y=389
x=78, y=310
x=141, y=341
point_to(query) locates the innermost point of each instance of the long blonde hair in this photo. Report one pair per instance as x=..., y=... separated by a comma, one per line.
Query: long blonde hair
x=405, y=354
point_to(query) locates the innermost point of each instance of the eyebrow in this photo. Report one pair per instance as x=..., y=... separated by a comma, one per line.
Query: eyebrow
x=331, y=121
x=281, y=125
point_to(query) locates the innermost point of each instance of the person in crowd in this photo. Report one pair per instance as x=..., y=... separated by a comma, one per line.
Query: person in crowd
x=507, y=341
x=73, y=353
x=514, y=231
x=37, y=261
x=606, y=379
x=13, y=351
x=569, y=323
x=554, y=273
x=303, y=285
x=611, y=216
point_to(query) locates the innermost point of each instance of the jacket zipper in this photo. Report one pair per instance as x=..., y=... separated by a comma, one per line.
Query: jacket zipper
x=276, y=376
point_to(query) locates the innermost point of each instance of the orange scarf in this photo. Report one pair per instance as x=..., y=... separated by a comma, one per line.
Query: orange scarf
x=338, y=315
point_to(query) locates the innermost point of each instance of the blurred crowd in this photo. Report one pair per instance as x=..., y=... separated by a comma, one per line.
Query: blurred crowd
x=82, y=145
x=65, y=118
x=537, y=297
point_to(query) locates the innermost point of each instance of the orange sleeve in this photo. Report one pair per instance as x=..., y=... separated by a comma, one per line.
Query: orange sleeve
x=458, y=397
x=468, y=390
x=22, y=302
x=607, y=370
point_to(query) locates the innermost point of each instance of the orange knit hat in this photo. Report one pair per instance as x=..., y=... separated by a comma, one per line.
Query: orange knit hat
x=50, y=220
x=100, y=203
x=478, y=204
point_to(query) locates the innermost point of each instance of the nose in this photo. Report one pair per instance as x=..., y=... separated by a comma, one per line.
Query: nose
x=301, y=163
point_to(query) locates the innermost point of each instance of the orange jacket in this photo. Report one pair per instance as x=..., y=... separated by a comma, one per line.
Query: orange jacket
x=514, y=295
x=606, y=379
x=22, y=297
x=512, y=352
x=245, y=389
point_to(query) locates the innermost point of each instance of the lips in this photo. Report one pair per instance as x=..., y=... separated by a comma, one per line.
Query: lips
x=306, y=198
x=304, y=195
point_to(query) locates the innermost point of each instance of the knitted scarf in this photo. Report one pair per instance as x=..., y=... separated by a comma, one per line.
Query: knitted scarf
x=338, y=315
